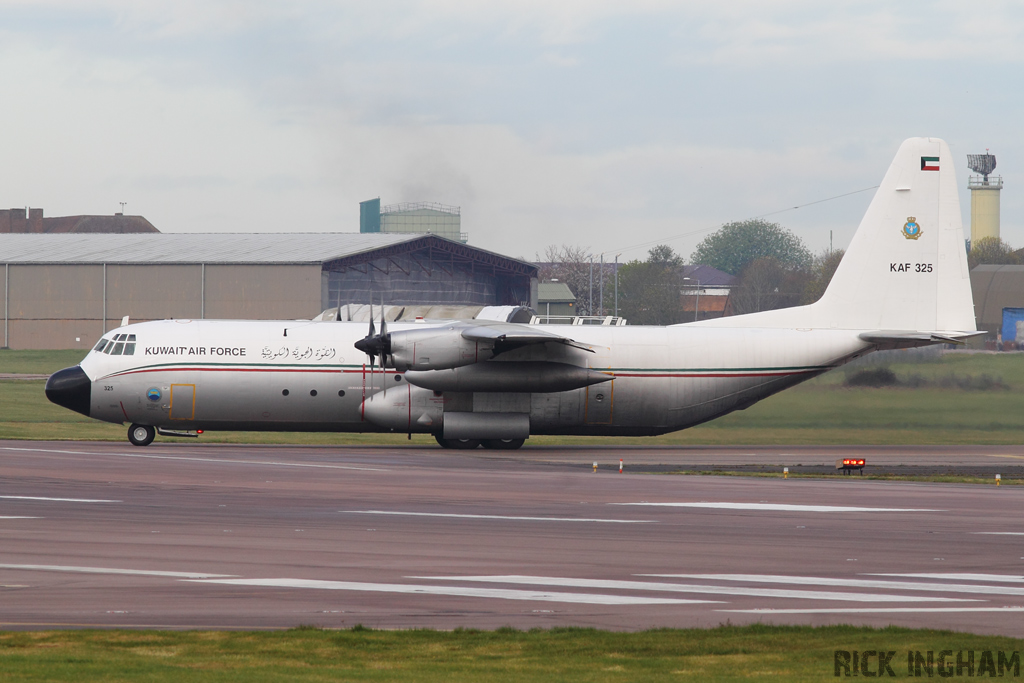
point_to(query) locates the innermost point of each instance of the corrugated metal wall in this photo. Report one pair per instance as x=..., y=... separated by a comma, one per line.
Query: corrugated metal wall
x=65, y=306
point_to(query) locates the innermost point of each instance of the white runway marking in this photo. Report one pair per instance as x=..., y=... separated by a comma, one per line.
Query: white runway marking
x=998, y=533
x=63, y=500
x=508, y=517
x=459, y=591
x=851, y=583
x=690, y=588
x=780, y=507
x=18, y=517
x=193, y=459
x=1009, y=578
x=873, y=610
x=108, y=570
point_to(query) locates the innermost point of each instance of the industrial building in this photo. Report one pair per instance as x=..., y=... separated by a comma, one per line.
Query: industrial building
x=31, y=220
x=64, y=291
x=412, y=217
x=706, y=292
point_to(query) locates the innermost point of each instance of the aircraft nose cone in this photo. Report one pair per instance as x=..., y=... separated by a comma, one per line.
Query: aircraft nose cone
x=364, y=345
x=70, y=388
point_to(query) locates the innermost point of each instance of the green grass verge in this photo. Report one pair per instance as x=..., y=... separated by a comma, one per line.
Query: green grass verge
x=819, y=412
x=726, y=653
x=38, y=362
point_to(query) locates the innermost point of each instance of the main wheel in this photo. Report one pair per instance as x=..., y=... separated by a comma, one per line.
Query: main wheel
x=457, y=444
x=503, y=444
x=141, y=435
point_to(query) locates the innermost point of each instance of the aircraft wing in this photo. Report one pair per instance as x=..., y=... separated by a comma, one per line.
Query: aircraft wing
x=508, y=336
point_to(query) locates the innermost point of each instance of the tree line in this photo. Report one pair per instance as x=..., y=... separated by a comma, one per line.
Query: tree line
x=773, y=267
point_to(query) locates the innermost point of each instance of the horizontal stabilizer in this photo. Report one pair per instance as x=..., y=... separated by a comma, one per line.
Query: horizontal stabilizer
x=906, y=340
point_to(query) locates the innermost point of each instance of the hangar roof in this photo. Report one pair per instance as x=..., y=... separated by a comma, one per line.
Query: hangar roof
x=268, y=248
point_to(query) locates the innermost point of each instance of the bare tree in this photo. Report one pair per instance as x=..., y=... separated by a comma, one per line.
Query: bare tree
x=572, y=265
x=766, y=284
x=823, y=267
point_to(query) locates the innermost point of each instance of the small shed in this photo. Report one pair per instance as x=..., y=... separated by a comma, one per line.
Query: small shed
x=555, y=298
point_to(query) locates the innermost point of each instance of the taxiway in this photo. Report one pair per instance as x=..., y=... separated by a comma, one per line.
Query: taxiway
x=186, y=535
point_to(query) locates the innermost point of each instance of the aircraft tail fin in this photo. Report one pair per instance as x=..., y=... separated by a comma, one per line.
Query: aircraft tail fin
x=906, y=267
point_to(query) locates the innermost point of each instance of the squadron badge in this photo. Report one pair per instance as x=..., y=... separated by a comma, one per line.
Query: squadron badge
x=911, y=230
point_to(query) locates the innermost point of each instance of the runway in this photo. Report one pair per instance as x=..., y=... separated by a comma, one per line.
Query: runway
x=186, y=535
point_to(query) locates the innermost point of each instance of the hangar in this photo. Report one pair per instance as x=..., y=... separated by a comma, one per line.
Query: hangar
x=64, y=291
x=996, y=287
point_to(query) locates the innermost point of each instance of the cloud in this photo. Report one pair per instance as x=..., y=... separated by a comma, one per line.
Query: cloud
x=583, y=121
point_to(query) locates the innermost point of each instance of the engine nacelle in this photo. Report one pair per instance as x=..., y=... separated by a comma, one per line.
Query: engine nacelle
x=510, y=376
x=405, y=408
x=435, y=348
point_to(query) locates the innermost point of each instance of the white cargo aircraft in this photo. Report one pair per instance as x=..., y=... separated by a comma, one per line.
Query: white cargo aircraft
x=903, y=282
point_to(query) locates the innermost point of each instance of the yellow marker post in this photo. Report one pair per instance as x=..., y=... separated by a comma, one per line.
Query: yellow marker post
x=595, y=467
x=997, y=479
x=785, y=473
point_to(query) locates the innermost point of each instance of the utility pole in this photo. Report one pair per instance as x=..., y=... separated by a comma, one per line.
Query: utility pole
x=617, y=285
x=590, y=299
x=601, y=289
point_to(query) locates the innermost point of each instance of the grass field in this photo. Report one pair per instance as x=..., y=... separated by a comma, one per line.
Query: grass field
x=37, y=362
x=821, y=411
x=726, y=653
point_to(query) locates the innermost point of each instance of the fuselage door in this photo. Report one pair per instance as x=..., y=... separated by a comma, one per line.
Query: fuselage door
x=183, y=401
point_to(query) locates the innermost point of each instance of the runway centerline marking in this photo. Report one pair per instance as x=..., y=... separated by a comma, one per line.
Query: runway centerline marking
x=457, y=591
x=1009, y=578
x=63, y=500
x=852, y=583
x=873, y=610
x=779, y=507
x=998, y=533
x=18, y=517
x=504, y=517
x=690, y=588
x=110, y=570
x=195, y=459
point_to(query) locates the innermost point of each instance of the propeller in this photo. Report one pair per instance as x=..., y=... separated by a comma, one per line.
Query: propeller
x=376, y=345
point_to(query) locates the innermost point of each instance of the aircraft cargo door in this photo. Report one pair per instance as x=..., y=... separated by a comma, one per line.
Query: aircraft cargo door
x=183, y=401
x=600, y=396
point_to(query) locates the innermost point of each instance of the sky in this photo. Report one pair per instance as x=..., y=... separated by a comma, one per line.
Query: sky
x=608, y=125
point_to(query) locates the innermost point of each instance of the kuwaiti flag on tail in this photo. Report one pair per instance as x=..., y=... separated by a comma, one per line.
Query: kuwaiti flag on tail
x=929, y=163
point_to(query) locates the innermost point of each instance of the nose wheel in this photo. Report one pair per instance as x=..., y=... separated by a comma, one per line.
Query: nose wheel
x=141, y=435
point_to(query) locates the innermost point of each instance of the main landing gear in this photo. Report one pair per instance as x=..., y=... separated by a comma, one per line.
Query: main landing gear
x=141, y=435
x=469, y=444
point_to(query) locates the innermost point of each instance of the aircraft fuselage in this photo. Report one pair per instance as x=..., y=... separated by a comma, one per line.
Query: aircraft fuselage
x=307, y=376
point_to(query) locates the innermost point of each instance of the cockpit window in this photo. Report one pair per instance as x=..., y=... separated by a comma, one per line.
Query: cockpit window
x=120, y=345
